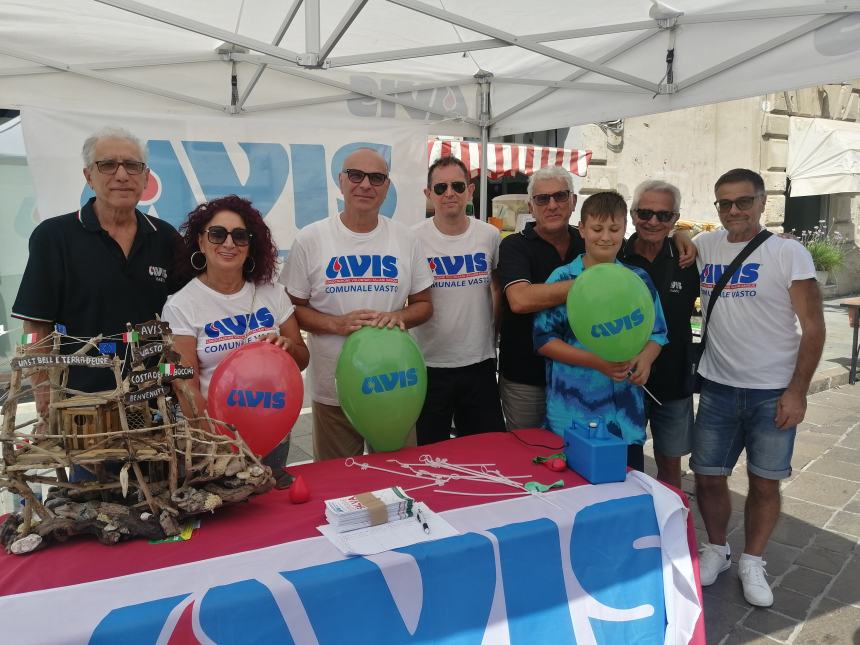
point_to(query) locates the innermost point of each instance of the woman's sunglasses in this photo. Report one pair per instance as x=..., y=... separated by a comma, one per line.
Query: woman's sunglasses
x=218, y=235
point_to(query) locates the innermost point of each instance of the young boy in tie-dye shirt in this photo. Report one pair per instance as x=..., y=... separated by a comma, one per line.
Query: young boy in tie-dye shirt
x=581, y=386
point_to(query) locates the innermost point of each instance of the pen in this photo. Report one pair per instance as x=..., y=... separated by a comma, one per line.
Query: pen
x=423, y=524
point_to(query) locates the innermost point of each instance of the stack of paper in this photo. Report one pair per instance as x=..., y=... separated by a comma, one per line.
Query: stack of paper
x=368, y=509
x=392, y=535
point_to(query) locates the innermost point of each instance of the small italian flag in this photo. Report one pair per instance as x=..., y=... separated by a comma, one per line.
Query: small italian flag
x=130, y=337
x=26, y=339
x=167, y=369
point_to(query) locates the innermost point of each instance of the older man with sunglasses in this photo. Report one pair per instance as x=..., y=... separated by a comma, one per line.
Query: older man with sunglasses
x=91, y=271
x=765, y=335
x=655, y=208
x=348, y=271
x=459, y=340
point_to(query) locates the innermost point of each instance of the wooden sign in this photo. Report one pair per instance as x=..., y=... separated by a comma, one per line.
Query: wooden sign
x=57, y=360
x=145, y=395
x=152, y=329
x=145, y=351
x=179, y=371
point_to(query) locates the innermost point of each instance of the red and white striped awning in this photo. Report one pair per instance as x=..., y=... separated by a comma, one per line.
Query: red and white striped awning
x=509, y=158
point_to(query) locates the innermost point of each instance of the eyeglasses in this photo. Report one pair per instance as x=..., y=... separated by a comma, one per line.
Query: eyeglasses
x=456, y=186
x=560, y=197
x=743, y=203
x=218, y=235
x=357, y=176
x=646, y=214
x=110, y=166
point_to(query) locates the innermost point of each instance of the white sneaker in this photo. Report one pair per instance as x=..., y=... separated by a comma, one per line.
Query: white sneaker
x=713, y=560
x=756, y=590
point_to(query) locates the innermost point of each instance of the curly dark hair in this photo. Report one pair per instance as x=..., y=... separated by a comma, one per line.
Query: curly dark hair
x=262, y=248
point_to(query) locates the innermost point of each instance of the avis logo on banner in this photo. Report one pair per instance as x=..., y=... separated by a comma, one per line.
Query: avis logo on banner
x=169, y=196
x=600, y=581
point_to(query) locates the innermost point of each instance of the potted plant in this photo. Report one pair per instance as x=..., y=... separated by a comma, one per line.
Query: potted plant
x=827, y=250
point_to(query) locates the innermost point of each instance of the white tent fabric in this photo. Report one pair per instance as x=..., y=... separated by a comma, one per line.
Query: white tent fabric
x=505, y=159
x=823, y=156
x=11, y=139
x=509, y=65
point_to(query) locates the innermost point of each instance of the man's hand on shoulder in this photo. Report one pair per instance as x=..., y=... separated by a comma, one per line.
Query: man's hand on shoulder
x=686, y=249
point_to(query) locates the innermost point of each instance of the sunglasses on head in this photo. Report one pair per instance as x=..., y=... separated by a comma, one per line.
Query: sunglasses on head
x=646, y=214
x=456, y=186
x=543, y=199
x=743, y=203
x=218, y=235
x=357, y=176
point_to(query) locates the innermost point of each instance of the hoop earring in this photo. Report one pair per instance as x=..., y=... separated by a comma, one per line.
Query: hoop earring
x=253, y=265
x=194, y=266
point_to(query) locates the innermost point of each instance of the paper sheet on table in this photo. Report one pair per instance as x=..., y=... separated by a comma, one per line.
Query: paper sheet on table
x=391, y=535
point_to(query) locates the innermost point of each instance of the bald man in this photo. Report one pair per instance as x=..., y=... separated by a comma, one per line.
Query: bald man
x=388, y=285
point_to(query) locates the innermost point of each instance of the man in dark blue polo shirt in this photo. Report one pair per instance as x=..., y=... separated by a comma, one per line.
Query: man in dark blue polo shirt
x=525, y=262
x=655, y=208
x=94, y=270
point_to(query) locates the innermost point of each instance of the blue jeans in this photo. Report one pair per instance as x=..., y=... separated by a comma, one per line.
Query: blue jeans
x=671, y=426
x=731, y=419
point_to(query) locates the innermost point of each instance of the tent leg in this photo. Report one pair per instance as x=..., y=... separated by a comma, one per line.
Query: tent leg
x=483, y=177
x=485, y=79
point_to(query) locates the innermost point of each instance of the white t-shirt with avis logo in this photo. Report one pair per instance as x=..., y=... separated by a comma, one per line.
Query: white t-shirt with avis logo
x=753, y=334
x=222, y=322
x=461, y=330
x=338, y=271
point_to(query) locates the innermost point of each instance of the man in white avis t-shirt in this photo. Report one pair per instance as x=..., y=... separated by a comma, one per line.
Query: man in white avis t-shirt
x=348, y=271
x=458, y=342
x=764, y=340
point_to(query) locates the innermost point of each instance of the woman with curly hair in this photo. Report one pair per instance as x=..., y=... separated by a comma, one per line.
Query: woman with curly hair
x=232, y=299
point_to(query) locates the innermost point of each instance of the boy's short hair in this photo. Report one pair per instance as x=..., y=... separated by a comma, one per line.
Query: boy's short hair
x=605, y=205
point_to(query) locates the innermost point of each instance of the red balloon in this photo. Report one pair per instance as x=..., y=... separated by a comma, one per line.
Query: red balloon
x=258, y=388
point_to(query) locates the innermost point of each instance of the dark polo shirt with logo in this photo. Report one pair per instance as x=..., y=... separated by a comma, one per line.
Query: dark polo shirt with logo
x=78, y=276
x=527, y=257
x=678, y=289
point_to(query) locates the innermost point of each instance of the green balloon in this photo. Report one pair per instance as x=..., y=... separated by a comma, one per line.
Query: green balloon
x=611, y=311
x=381, y=383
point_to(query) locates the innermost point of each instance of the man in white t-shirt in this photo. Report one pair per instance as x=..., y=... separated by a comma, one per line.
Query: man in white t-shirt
x=348, y=271
x=458, y=342
x=756, y=371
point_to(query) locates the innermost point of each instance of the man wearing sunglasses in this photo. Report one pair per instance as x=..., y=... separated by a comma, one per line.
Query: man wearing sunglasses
x=96, y=269
x=348, y=271
x=458, y=342
x=655, y=208
x=756, y=370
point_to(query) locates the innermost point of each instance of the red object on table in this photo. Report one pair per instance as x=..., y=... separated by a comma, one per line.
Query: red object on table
x=271, y=519
x=299, y=491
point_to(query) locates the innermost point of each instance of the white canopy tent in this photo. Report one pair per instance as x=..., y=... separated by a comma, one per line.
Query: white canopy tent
x=823, y=157
x=483, y=68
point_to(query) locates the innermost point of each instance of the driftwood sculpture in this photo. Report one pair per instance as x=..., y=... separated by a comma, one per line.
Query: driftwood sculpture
x=150, y=469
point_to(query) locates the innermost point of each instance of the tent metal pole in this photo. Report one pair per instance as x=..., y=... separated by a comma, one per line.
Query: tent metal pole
x=312, y=34
x=484, y=80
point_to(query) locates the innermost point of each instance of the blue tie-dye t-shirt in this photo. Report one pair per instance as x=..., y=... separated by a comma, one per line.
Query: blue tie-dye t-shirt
x=576, y=394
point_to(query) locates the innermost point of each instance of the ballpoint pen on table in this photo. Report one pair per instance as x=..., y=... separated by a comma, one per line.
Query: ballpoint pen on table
x=423, y=524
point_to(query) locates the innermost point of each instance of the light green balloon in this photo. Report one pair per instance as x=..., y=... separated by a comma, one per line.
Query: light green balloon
x=611, y=311
x=381, y=382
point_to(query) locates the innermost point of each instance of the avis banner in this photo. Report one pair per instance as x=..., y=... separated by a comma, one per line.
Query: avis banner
x=592, y=564
x=288, y=169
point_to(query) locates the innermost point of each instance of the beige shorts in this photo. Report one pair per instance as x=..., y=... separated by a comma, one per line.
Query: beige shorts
x=334, y=436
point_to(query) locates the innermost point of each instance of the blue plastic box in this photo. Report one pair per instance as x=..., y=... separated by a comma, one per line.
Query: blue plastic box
x=594, y=453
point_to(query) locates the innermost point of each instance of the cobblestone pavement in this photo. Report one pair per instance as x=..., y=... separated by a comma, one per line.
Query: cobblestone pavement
x=813, y=559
